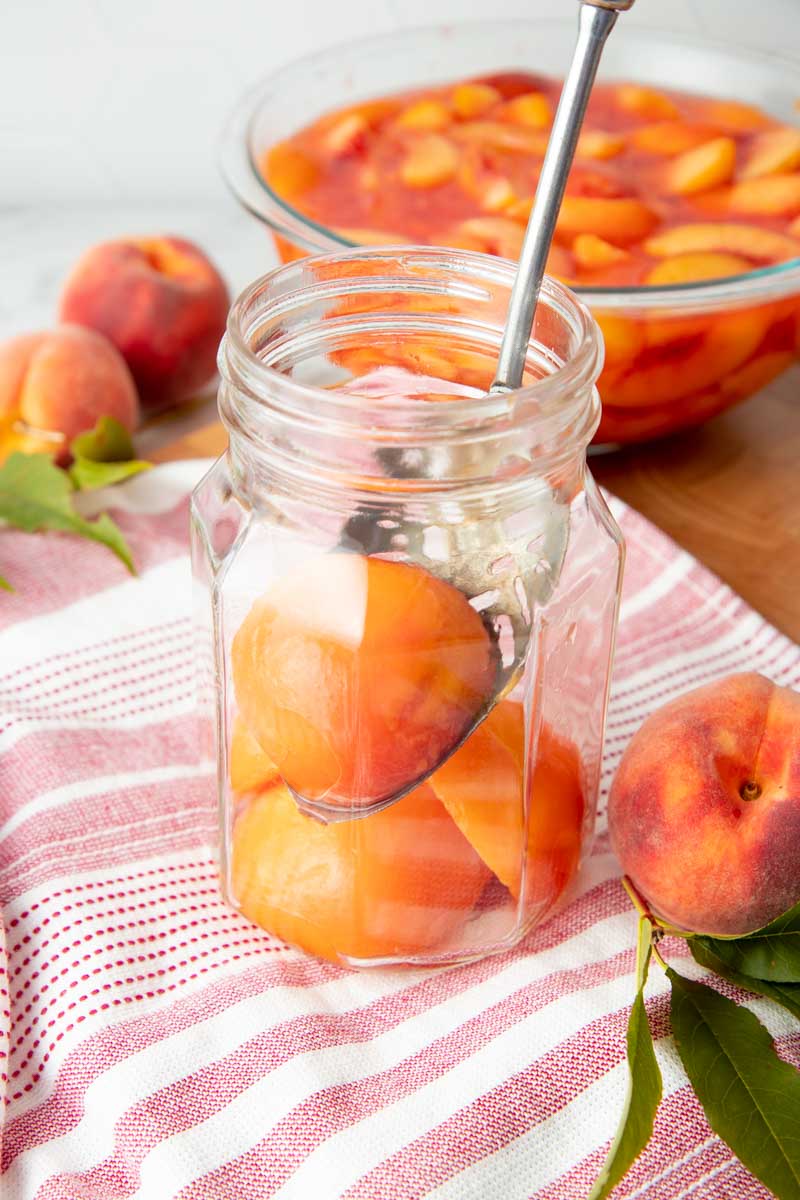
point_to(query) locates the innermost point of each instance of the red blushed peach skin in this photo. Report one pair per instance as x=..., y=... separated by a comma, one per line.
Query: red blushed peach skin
x=356, y=675
x=399, y=882
x=704, y=811
x=161, y=302
x=55, y=384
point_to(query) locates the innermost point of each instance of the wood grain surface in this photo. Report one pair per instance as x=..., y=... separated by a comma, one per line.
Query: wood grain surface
x=728, y=492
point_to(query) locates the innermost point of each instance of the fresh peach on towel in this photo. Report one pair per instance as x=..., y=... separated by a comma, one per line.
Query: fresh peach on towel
x=56, y=384
x=161, y=302
x=704, y=811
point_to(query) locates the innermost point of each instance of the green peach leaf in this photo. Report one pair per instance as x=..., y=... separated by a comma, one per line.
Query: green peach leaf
x=771, y=953
x=108, y=442
x=5, y=585
x=87, y=474
x=36, y=495
x=644, y=1082
x=785, y=994
x=750, y=1096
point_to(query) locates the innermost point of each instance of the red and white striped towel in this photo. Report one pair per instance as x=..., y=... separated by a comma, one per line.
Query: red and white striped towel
x=157, y=1045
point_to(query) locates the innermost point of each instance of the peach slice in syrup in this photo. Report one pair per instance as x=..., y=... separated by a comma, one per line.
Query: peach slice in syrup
x=725, y=238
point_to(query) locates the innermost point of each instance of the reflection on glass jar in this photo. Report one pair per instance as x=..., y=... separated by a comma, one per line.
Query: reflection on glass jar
x=407, y=592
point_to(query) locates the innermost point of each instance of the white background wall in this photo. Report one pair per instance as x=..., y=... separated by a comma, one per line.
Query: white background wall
x=123, y=99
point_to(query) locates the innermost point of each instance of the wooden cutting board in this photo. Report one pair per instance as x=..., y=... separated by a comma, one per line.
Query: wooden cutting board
x=728, y=492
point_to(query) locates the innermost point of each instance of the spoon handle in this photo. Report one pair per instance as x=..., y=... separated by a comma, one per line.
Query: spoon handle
x=596, y=19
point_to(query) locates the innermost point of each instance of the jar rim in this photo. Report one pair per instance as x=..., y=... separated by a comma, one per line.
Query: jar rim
x=562, y=401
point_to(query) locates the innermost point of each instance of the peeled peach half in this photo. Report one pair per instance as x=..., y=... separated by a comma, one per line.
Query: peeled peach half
x=357, y=675
x=398, y=882
x=249, y=767
x=483, y=788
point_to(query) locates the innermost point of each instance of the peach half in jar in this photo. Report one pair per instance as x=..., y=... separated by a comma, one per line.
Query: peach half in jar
x=351, y=679
x=668, y=189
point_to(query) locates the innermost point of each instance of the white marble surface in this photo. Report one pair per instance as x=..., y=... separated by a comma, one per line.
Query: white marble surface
x=39, y=247
x=106, y=100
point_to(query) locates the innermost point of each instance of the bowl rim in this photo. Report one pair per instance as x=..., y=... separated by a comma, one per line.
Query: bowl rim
x=241, y=173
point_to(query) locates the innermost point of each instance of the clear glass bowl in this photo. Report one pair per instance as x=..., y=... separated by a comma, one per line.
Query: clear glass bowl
x=675, y=355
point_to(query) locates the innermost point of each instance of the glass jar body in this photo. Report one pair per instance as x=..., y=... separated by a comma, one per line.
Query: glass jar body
x=407, y=772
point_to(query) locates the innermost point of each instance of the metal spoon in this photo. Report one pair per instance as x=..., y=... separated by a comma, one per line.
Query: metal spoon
x=506, y=583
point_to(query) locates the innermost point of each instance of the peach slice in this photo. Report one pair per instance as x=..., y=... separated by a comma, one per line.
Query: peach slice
x=596, y=143
x=289, y=170
x=687, y=268
x=667, y=138
x=794, y=227
x=729, y=341
x=495, y=135
x=645, y=101
x=756, y=374
x=493, y=191
x=593, y=252
x=356, y=675
x=343, y=131
x=472, y=99
x=425, y=114
x=623, y=337
x=734, y=116
x=772, y=152
x=343, y=136
x=705, y=167
x=619, y=220
x=249, y=767
x=500, y=235
x=520, y=210
x=766, y=196
x=723, y=237
x=531, y=109
x=398, y=882
x=431, y=160
x=627, y=425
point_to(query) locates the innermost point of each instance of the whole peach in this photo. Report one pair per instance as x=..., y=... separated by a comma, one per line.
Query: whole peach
x=163, y=305
x=704, y=811
x=55, y=384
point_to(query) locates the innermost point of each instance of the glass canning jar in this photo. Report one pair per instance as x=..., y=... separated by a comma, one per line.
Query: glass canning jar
x=407, y=599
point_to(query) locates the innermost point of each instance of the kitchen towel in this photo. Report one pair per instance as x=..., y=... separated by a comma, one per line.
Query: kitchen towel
x=155, y=1044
